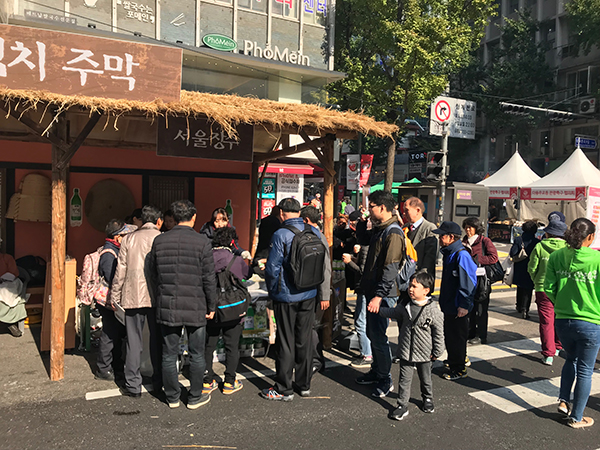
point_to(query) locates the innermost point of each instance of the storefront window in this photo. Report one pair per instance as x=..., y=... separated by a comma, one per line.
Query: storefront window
x=314, y=11
x=254, y=5
x=286, y=8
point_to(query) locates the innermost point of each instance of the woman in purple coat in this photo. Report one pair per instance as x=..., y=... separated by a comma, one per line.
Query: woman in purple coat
x=223, y=243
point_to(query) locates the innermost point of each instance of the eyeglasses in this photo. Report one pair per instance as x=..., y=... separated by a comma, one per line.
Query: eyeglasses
x=373, y=205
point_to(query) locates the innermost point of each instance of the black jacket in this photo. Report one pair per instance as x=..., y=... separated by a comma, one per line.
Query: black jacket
x=208, y=230
x=108, y=262
x=181, y=262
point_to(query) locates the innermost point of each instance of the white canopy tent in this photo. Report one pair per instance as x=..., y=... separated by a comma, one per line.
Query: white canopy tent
x=571, y=188
x=505, y=183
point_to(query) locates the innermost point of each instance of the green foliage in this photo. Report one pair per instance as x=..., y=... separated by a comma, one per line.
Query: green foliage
x=398, y=54
x=584, y=22
x=517, y=70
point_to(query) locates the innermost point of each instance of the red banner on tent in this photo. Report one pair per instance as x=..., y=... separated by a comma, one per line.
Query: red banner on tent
x=366, y=162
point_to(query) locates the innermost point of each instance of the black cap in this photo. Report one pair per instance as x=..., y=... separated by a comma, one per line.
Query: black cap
x=354, y=215
x=448, y=227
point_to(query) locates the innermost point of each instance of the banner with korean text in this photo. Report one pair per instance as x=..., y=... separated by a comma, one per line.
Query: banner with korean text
x=593, y=213
x=75, y=64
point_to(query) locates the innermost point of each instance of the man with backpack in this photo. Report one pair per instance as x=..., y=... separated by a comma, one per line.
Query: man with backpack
x=294, y=270
x=130, y=290
x=182, y=266
x=387, y=253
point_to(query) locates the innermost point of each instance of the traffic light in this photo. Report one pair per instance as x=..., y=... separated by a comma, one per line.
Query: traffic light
x=511, y=108
x=560, y=116
x=434, y=166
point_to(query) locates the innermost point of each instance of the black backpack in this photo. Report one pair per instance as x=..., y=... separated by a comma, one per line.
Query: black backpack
x=307, y=258
x=232, y=296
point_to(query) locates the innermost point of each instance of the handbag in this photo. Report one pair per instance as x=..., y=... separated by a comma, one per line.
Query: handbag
x=495, y=271
x=521, y=256
x=510, y=272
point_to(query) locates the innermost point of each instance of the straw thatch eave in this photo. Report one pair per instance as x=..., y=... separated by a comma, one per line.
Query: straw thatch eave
x=225, y=110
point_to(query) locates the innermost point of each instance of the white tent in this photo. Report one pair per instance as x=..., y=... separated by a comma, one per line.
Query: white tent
x=506, y=182
x=571, y=188
x=512, y=175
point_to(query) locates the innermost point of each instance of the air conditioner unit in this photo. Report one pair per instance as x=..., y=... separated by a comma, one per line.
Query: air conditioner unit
x=587, y=106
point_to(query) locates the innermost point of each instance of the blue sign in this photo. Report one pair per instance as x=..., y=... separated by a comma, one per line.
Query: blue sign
x=586, y=143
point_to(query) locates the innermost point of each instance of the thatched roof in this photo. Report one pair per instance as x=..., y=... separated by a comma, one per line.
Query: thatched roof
x=226, y=110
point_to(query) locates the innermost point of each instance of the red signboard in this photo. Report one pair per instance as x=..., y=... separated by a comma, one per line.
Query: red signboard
x=341, y=191
x=266, y=208
x=73, y=64
x=366, y=161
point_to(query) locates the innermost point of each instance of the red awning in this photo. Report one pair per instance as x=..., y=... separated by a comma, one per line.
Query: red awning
x=288, y=168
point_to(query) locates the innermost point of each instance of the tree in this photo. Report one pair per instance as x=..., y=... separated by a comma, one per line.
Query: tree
x=584, y=23
x=398, y=54
x=517, y=71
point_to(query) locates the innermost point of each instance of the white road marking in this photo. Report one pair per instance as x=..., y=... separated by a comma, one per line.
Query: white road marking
x=521, y=397
x=493, y=322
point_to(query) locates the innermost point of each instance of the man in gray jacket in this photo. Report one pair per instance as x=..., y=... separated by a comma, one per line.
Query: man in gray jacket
x=420, y=232
x=131, y=290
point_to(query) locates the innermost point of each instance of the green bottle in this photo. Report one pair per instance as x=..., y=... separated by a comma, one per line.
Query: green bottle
x=229, y=211
x=76, y=212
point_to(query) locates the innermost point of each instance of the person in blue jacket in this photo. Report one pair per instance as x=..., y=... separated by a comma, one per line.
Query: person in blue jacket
x=459, y=280
x=294, y=310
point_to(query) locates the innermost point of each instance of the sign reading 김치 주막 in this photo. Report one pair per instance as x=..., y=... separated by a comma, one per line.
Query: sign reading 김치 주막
x=197, y=138
x=73, y=64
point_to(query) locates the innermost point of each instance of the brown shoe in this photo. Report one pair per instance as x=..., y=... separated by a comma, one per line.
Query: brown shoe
x=564, y=408
x=585, y=422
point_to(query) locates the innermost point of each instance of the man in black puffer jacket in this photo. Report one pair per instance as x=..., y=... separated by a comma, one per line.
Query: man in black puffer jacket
x=182, y=268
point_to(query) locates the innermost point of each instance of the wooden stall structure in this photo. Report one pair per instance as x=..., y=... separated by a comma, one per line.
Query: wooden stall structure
x=249, y=129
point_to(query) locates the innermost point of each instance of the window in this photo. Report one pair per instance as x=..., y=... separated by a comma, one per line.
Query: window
x=467, y=211
x=513, y=6
x=253, y=5
x=165, y=190
x=285, y=8
x=577, y=83
x=314, y=11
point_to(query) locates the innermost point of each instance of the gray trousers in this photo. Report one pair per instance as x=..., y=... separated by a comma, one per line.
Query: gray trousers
x=134, y=325
x=406, y=375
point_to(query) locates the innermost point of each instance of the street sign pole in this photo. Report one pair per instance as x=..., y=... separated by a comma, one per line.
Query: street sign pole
x=443, y=178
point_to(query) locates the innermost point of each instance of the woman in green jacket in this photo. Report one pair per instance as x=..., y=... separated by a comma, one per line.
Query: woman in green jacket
x=538, y=261
x=572, y=284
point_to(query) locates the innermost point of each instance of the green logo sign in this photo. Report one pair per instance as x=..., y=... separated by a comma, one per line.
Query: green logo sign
x=219, y=42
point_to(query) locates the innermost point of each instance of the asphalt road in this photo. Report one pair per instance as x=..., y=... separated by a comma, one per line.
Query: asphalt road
x=340, y=415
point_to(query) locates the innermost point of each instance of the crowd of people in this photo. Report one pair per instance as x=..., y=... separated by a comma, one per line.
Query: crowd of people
x=169, y=280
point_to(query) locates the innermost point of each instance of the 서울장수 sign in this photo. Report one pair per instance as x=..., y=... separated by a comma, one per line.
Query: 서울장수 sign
x=73, y=64
x=198, y=138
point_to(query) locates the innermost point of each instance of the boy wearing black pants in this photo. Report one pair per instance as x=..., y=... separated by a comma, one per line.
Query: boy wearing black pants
x=420, y=342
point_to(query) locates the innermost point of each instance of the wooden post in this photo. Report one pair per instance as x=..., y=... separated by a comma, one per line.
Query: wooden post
x=329, y=190
x=59, y=249
x=253, y=193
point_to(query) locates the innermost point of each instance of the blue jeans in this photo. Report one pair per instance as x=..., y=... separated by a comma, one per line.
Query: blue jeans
x=196, y=342
x=377, y=334
x=581, y=342
x=360, y=323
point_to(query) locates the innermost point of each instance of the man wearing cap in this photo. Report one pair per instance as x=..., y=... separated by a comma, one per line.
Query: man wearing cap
x=538, y=260
x=110, y=357
x=131, y=290
x=294, y=310
x=459, y=280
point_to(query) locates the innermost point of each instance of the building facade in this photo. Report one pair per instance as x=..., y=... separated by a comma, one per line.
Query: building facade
x=577, y=79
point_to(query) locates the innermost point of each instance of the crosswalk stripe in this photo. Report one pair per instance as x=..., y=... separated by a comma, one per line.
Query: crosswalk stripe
x=522, y=397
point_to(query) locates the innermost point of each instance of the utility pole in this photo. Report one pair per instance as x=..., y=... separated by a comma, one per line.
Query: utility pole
x=444, y=170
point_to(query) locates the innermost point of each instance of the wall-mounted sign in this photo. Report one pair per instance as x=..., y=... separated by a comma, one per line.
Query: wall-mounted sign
x=219, y=42
x=72, y=64
x=290, y=185
x=197, y=138
x=352, y=172
x=268, y=187
x=463, y=195
x=48, y=17
x=251, y=48
x=459, y=117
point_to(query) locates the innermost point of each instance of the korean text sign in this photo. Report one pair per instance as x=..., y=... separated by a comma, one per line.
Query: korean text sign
x=72, y=64
x=198, y=138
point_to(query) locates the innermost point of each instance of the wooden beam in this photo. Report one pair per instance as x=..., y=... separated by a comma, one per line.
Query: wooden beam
x=328, y=195
x=85, y=131
x=58, y=250
x=327, y=165
x=253, y=192
x=264, y=157
x=312, y=131
x=33, y=125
